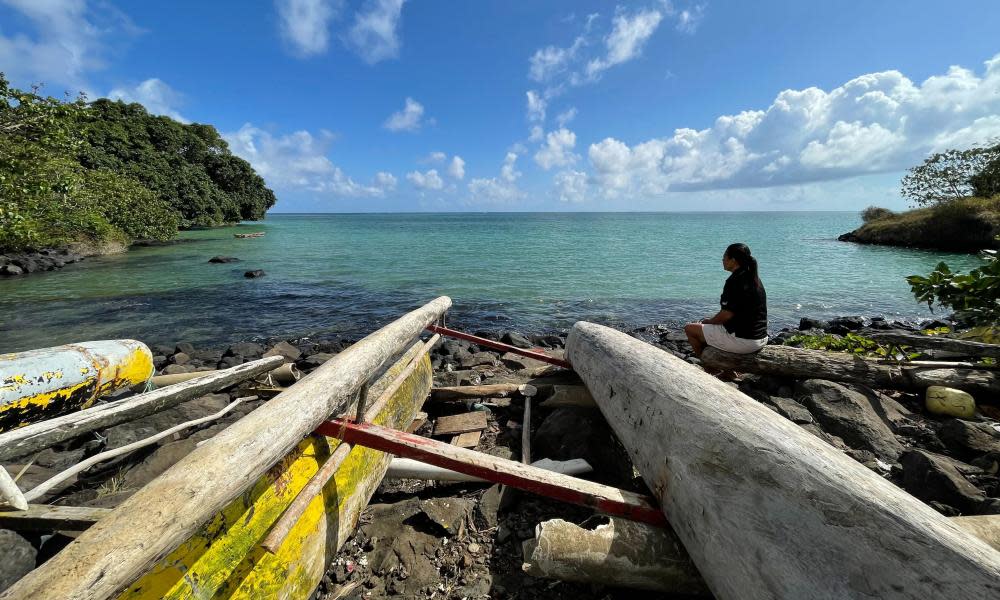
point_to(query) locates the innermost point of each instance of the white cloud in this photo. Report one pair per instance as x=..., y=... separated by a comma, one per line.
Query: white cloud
x=689, y=18
x=305, y=24
x=626, y=40
x=498, y=190
x=571, y=186
x=537, y=133
x=426, y=181
x=298, y=161
x=876, y=123
x=70, y=40
x=374, y=35
x=536, y=106
x=550, y=61
x=457, y=167
x=558, y=150
x=158, y=97
x=566, y=116
x=436, y=157
x=408, y=119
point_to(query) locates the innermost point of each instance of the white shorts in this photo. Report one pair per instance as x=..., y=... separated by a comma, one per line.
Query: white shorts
x=718, y=337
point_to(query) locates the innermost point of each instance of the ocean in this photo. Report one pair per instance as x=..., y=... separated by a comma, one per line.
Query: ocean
x=347, y=274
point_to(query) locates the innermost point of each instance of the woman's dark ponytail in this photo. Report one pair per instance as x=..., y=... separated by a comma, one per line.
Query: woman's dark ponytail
x=741, y=254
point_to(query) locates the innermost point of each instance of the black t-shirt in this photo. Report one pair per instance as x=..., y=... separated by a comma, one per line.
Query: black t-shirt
x=748, y=303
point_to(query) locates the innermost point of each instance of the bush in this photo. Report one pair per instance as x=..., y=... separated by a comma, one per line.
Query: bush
x=874, y=213
x=974, y=296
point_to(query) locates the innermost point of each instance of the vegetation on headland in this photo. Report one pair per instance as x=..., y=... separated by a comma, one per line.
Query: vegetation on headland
x=106, y=171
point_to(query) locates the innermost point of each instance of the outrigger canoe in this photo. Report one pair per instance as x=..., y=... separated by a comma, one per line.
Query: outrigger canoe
x=197, y=530
x=41, y=384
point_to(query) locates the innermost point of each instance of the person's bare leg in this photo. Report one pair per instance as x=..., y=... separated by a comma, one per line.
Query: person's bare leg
x=696, y=337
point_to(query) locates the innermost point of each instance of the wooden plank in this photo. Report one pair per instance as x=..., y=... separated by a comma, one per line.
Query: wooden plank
x=172, y=508
x=469, y=439
x=936, y=342
x=45, y=517
x=766, y=509
x=799, y=363
x=39, y=436
x=476, y=420
x=609, y=500
x=526, y=433
x=495, y=390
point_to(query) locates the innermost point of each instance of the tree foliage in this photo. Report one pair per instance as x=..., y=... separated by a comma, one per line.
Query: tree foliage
x=986, y=183
x=974, y=296
x=874, y=213
x=948, y=175
x=76, y=171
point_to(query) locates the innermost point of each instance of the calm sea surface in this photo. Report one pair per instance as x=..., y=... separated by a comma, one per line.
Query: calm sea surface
x=348, y=274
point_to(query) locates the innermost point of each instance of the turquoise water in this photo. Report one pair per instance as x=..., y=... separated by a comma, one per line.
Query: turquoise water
x=347, y=274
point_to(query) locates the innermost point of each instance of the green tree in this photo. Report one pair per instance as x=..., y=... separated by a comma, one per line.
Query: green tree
x=986, y=183
x=974, y=296
x=947, y=175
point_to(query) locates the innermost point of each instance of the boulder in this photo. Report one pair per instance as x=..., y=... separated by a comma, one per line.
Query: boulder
x=468, y=361
x=223, y=259
x=848, y=412
x=447, y=513
x=516, y=362
x=933, y=477
x=177, y=369
x=314, y=360
x=842, y=325
x=181, y=358
x=969, y=440
x=254, y=274
x=941, y=400
x=515, y=338
x=248, y=350
x=806, y=323
x=156, y=463
x=791, y=410
x=290, y=352
x=10, y=270
x=184, y=347
x=17, y=558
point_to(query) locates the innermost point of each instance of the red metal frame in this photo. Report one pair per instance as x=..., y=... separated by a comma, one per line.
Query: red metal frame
x=500, y=346
x=603, y=498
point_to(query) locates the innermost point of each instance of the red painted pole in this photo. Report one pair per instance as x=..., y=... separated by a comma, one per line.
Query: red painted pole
x=500, y=346
x=606, y=499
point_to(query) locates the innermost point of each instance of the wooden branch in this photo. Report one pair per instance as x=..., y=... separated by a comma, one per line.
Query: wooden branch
x=170, y=509
x=936, y=342
x=48, y=433
x=765, y=509
x=799, y=363
x=10, y=494
x=526, y=433
x=496, y=390
x=43, y=488
x=48, y=518
x=603, y=498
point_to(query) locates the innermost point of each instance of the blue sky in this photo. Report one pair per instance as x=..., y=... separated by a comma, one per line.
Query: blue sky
x=386, y=105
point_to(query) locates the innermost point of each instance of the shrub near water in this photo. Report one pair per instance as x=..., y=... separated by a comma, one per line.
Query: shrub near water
x=874, y=213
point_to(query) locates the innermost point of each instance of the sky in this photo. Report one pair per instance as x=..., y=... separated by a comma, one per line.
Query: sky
x=482, y=105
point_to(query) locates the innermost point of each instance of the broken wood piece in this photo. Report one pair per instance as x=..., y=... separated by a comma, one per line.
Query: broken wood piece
x=173, y=508
x=495, y=390
x=469, y=439
x=800, y=363
x=43, y=488
x=10, y=494
x=936, y=342
x=418, y=422
x=44, y=434
x=48, y=518
x=620, y=553
x=407, y=468
x=602, y=498
x=526, y=433
x=569, y=395
x=476, y=420
x=760, y=503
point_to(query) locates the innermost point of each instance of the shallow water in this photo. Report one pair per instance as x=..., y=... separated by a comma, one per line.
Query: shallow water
x=348, y=274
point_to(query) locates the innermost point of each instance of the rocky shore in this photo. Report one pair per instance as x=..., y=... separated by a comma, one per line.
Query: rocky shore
x=423, y=539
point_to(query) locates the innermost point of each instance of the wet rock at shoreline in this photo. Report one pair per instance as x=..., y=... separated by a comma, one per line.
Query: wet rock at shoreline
x=12, y=265
x=254, y=274
x=223, y=259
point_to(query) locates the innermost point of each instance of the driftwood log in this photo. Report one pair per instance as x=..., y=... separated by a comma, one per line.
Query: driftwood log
x=799, y=363
x=495, y=390
x=936, y=342
x=170, y=509
x=764, y=508
x=39, y=436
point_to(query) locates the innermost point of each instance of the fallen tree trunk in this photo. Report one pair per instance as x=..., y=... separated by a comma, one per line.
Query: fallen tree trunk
x=764, y=508
x=936, y=342
x=48, y=433
x=154, y=521
x=620, y=553
x=799, y=363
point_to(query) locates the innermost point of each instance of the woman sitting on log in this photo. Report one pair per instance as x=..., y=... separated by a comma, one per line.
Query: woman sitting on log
x=741, y=325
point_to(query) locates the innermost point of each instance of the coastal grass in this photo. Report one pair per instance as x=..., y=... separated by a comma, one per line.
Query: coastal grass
x=965, y=225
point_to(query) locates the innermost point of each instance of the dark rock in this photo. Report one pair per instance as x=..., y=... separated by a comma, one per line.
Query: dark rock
x=489, y=506
x=156, y=463
x=248, y=350
x=516, y=339
x=930, y=476
x=228, y=362
x=968, y=440
x=11, y=270
x=843, y=325
x=848, y=411
x=290, y=352
x=181, y=358
x=468, y=361
x=184, y=347
x=548, y=341
x=223, y=259
x=790, y=409
x=447, y=513
x=254, y=274
x=159, y=361
x=569, y=433
x=314, y=360
x=806, y=323
x=454, y=347
x=18, y=558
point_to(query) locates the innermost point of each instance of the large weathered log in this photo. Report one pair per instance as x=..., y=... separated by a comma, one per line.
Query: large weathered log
x=47, y=433
x=936, y=342
x=764, y=508
x=171, y=508
x=619, y=553
x=786, y=361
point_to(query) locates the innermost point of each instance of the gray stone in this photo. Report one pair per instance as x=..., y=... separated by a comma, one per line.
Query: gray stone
x=515, y=338
x=315, y=360
x=223, y=259
x=792, y=410
x=448, y=513
x=930, y=476
x=254, y=274
x=848, y=412
x=11, y=270
x=478, y=359
x=489, y=506
x=244, y=349
x=181, y=358
x=17, y=558
x=290, y=352
x=177, y=369
x=184, y=347
x=156, y=463
x=969, y=440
